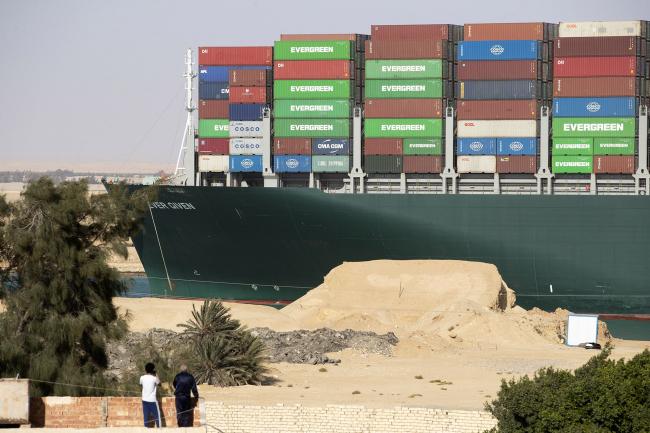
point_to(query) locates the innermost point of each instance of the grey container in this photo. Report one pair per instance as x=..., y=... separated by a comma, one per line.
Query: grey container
x=383, y=163
x=498, y=89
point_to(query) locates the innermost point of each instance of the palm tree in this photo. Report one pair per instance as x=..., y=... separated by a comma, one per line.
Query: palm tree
x=224, y=352
x=213, y=318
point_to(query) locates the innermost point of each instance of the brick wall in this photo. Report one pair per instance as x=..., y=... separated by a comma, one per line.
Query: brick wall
x=92, y=412
x=342, y=419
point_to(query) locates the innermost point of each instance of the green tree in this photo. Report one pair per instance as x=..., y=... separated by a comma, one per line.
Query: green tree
x=223, y=352
x=604, y=395
x=56, y=285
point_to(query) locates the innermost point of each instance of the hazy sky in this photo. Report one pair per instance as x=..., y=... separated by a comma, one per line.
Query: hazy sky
x=90, y=84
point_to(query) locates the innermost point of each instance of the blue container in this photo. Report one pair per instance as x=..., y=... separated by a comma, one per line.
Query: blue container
x=245, y=163
x=245, y=112
x=476, y=146
x=330, y=146
x=517, y=146
x=212, y=74
x=498, y=89
x=292, y=163
x=218, y=90
x=595, y=107
x=499, y=50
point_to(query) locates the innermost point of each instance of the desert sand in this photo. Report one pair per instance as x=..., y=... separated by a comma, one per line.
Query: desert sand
x=460, y=334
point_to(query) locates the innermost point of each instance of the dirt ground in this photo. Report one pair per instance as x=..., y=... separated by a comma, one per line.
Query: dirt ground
x=459, y=328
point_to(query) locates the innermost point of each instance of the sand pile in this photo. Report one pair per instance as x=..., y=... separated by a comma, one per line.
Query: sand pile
x=434, y=302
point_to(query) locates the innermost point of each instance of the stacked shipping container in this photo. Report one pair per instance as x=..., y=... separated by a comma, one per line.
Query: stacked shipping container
x=599, y=69
x=502, y=75
x=314, y=93
x=230, y=122
x=599, y=78
x=407, y=80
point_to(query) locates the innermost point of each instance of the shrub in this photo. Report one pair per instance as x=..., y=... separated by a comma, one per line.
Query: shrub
x=604, y=395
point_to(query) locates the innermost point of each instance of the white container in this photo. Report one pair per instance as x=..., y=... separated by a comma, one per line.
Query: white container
x=213, y=163
x=476, y=164
x=496, y=128
x=245, y=146
x=600, y=28
x=247, y=129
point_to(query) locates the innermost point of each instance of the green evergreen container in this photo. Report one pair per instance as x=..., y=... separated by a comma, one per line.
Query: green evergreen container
x=312, y=89
x=573, y=146
x=614, y=146
x=572, y=164
x=312, y=128
x=396, y=69
x=403, y=128
x=214, y=128
x=313, y=50
x=422, y=146
x=594, y=126
x=312, y=108
x=403, y=88
x=330, y=164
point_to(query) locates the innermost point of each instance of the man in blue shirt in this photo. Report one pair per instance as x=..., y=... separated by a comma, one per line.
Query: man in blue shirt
x=184, y=384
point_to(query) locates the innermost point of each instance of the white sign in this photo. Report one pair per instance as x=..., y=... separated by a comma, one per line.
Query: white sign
x=581, y=328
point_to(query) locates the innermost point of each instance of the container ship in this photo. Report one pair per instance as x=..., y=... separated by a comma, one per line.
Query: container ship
x=524, y=145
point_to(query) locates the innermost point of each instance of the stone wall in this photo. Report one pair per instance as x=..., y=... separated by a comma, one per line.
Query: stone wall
x=342, y=419
x=92, y=412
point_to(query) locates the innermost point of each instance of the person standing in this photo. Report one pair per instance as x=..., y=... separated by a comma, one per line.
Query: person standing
x=150, y=382
x=184, y=384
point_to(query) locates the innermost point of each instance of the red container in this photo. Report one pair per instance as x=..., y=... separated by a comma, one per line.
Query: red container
x=509, y=109
x=598, y=86
x=595, y=47
x=405, y=108
x=420, y=32
x=247, y=77
x=214, y=146
x=312, y=70
x=502, y=70
x=405, y=49
x=382, y=146
x=615, y=164
x=319, y=37
x=210, y=109
x=517, y=164
x=595, y=67
x=422, y=164
x=292, y=146
x=247, y=95
x=507, y=31
x=236, y=56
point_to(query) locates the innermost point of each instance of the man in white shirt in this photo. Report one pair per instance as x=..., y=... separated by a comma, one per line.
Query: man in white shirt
x=150, y=382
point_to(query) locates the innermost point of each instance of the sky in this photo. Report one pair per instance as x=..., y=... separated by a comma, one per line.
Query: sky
x=96, y=85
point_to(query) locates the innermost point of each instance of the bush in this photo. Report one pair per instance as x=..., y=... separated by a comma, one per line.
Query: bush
x=604, y=395
x=224, y=352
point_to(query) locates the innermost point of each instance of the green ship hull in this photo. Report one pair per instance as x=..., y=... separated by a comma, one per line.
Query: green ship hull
x=588, y=254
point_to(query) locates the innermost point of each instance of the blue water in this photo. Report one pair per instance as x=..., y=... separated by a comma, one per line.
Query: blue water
x=138, y=286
